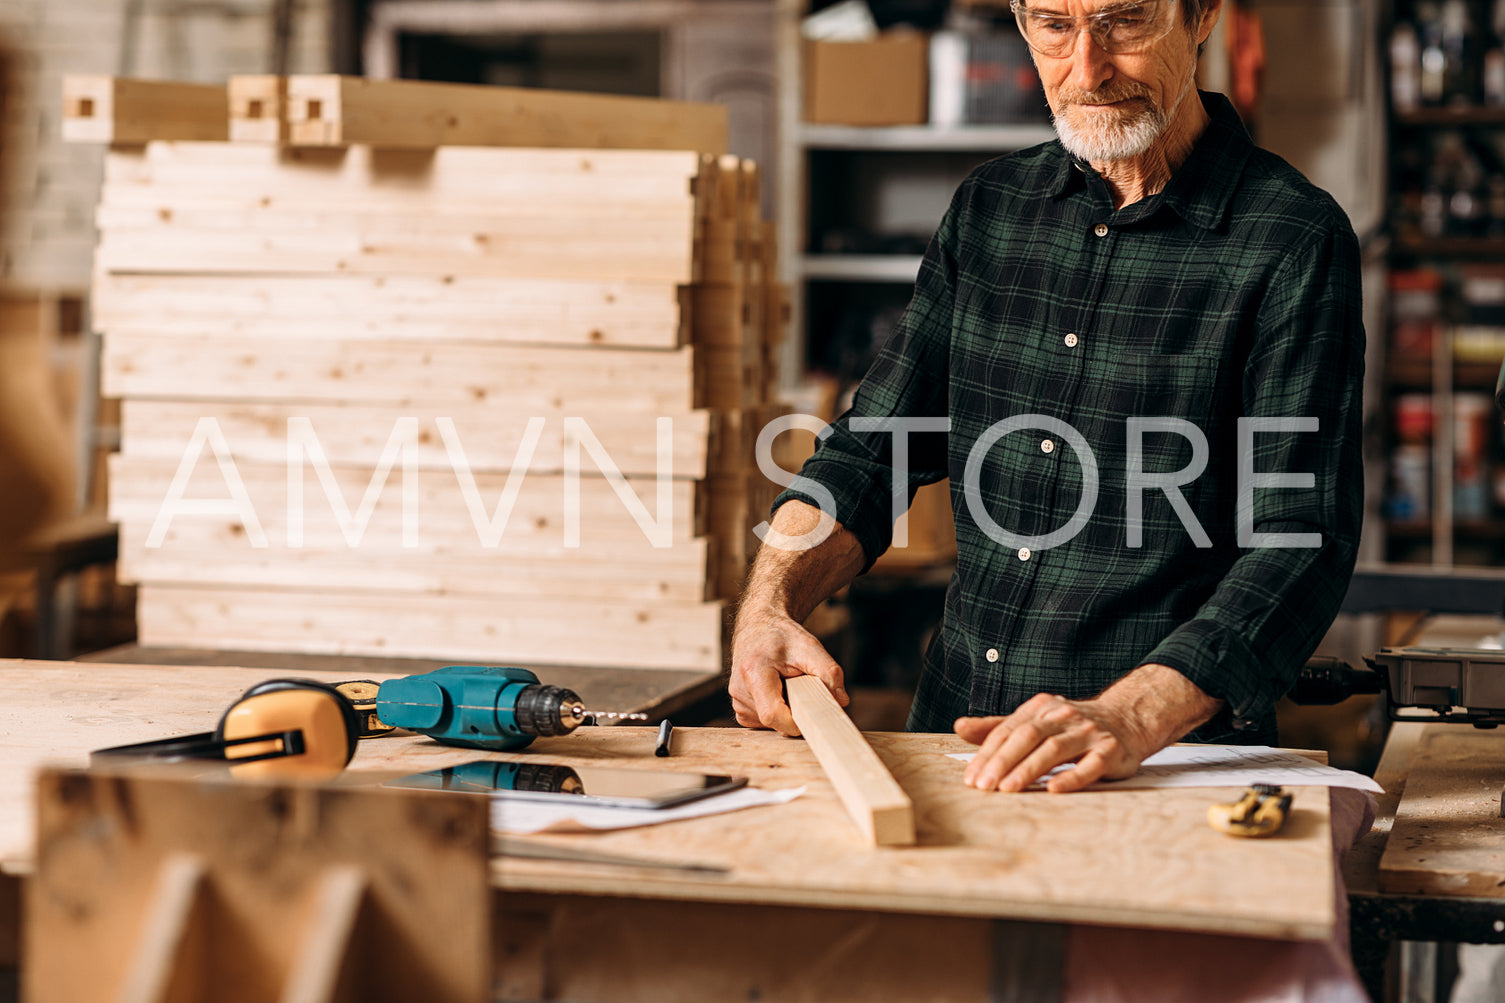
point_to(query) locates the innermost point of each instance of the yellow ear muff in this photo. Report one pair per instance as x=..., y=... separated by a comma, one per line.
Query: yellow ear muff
x=320, y=714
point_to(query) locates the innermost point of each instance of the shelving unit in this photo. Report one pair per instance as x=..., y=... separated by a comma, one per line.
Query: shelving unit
x=895, y=177
x=1429, y=235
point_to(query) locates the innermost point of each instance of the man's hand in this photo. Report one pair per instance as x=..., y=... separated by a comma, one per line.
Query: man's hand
x=766, y=650
x=1106, y=737
x=787, y=582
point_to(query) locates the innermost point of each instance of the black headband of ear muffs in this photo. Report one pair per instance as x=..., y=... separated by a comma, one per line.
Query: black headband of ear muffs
x=212, y=744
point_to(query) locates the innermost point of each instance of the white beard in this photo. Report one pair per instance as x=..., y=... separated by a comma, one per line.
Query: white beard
x=1125, y=138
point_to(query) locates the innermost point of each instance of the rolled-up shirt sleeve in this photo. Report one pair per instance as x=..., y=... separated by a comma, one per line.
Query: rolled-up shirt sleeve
x=1302, y=400
x=908, y=379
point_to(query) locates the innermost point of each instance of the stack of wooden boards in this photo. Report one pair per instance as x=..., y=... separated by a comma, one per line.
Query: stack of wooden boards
x=479, y=400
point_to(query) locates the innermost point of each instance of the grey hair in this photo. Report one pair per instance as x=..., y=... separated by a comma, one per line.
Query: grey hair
x=1192, y=11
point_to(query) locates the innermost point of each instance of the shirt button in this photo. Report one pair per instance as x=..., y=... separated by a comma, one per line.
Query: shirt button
x=1024, y=554
x=1046, y=446
x=991, y=655
x=1101, y=229
x=1071, y=341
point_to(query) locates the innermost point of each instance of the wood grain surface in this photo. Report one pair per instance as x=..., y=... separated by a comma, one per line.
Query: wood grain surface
x=1138, y=858
x=878, y=806
x=1448, y=837
x=56, y=712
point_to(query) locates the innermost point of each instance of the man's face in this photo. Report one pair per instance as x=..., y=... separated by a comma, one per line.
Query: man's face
x=1111, y=107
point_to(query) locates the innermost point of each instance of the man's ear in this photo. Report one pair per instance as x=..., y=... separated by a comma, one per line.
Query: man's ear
x=1209, y=20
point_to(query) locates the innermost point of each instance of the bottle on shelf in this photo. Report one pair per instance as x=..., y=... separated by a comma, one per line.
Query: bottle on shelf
x=1433, y=57
x=1458, y=48
x=1405, y=68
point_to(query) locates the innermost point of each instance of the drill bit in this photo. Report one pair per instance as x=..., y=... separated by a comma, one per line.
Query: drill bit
x=579, y=711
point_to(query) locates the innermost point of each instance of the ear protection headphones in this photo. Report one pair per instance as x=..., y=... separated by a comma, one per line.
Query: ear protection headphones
x=278, y=728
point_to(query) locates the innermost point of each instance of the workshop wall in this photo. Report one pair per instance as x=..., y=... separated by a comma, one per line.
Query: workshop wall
x=49, y=189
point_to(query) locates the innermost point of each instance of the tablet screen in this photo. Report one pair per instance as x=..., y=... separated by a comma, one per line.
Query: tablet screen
x=602, y=785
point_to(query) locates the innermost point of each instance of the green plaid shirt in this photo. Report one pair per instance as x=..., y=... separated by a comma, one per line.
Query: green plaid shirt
x=1234, y=293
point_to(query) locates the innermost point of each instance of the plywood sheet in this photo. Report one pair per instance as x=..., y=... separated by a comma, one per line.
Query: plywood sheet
x=55, y=712
x=1448, y=837
x=1141, y=858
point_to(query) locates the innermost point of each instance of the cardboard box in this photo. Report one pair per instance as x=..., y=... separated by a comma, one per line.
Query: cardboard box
x=882, y=82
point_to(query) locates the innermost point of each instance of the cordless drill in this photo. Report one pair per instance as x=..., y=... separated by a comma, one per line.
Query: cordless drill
x=484, y=707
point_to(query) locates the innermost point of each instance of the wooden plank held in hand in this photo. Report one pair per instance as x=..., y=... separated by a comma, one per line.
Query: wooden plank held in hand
x=878, y=805
x=105, y=109
x=326, y=110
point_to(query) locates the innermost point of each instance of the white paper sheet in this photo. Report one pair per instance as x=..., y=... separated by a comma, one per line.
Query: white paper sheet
x=516, y=816
x=1227, y=766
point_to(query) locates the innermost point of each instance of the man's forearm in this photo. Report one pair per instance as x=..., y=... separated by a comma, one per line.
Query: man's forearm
x=793, y=582
x=1161, y=703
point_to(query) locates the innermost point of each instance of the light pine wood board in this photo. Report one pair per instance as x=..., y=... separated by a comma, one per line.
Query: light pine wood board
x=201, y=551
x=243, y=176
x=540, y=248
x=534, y=380
x=444, y=308
x=627, y=635
x=438, y=511
x=1136, y=858
x=258, y=108
x=489, y=435
x=878, y=806
x=1448, y=837
x=105, y=109
x=616, y=219
x=330, y=110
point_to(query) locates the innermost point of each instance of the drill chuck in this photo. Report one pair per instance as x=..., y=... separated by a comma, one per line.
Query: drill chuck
x=546, y=711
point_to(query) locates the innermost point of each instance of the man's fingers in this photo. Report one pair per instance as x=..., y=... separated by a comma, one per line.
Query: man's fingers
x=1046, y=756
x=766, y=689
x=975, y=729
x=1088, y=770
x=814, y=660
x=1006, y=748
x=988, y=744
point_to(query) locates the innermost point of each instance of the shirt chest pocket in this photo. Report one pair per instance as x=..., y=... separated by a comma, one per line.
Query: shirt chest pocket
x=1153, y=413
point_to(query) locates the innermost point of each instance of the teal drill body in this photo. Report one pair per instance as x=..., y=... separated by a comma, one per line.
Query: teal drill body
x=479, y=707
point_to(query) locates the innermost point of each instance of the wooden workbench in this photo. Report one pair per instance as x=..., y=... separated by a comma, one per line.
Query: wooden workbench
x=1433, y=866
x=804, y=900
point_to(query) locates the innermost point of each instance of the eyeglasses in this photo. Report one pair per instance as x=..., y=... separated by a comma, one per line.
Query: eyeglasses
x=1120, y=30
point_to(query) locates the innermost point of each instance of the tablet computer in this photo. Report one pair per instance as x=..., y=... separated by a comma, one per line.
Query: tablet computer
x=595, y=785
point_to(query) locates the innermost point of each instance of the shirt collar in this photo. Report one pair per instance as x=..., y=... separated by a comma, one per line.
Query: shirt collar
x=1201, y=188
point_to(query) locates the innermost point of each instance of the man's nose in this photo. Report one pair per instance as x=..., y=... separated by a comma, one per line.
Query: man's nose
x=1090, y=65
